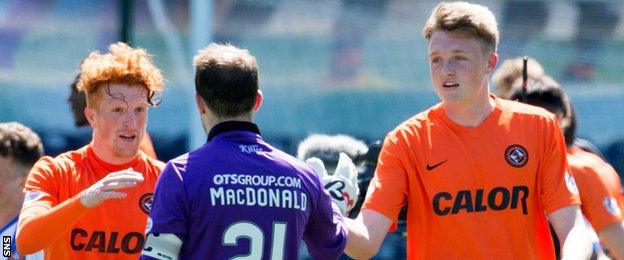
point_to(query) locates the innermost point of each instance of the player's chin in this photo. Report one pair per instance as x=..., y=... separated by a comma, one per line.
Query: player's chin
x=446, y=97
x=127, y=150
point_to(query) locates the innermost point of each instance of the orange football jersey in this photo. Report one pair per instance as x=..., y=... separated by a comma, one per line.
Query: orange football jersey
x=599, y=186
x=480, y=192
x=113, y=230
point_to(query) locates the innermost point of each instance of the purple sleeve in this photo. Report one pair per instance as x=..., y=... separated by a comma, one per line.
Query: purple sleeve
x=169, y=210
x=326, y=233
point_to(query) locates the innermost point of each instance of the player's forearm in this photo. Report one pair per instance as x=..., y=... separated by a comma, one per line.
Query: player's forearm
x=366, y=233
x=572, y=232
x=40, y=225
x=613, y=237
x=359, y=244
x=576, y=244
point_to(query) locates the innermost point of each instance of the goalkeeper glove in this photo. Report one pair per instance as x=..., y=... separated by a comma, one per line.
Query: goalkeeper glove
x=342, y=184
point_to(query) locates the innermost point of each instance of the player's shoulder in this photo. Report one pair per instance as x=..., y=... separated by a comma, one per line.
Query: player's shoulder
x=585, y=163
x=152, y=163
x=414, y=125
x=289, y=161
x=515, y=109
x=177, y=164
x=292, y=166
x=64, y=161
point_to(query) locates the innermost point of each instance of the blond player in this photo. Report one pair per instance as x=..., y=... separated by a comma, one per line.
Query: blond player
x=481, y=176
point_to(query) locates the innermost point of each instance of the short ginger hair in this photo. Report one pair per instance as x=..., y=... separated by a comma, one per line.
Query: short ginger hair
x=471, y=19
x=121, y=64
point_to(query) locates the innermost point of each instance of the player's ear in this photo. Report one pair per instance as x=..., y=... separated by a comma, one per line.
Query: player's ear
x=199, y=101
x=90, y=115
x=491, y=63
x=258, y=102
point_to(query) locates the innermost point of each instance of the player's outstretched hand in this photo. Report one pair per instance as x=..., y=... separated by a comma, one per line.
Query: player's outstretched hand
x=342, y=184
x=106, y=188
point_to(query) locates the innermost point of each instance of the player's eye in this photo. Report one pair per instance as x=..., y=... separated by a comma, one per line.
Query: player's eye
x=140, y=109
x=118, y=110
x=459, y=58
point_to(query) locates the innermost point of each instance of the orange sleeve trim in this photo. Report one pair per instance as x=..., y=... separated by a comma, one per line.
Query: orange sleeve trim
x=388, y=213
x=41, y=226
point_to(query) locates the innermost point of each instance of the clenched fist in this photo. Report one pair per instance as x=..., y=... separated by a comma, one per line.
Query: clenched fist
x=106, y=188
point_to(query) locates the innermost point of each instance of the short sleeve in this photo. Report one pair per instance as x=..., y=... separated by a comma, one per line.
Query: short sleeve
x=387, y=191
x=169, y=213
x=557, y=186
x=599, y=200
x=41, y=187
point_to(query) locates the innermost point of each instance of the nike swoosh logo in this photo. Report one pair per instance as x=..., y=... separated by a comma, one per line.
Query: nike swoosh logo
x=431, y=167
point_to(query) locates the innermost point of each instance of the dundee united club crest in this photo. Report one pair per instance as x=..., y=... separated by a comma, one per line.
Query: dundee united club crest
x=146, y=202
x=516, y=155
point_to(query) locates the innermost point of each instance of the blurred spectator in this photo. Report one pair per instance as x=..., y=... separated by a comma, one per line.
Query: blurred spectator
x=508, y=77
x=234, y=19
x=20, y=148
x=20, y=16
x=510, y=70
x=597, y=21
x=523, y=19
x=356, y=19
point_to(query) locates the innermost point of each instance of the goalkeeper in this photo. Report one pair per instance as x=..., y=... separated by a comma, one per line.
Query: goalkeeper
x=238, y=196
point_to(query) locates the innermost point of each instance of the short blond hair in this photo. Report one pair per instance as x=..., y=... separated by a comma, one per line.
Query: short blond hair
x=472, y=19
x=121, y=64
x=511, y=69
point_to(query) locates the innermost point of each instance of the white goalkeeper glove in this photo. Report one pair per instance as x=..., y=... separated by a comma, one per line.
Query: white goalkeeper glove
x=342, y=185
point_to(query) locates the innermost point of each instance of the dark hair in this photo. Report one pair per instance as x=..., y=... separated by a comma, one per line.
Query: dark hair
x=20, y=143
x=569, y=130
x=77, y=101
x=546, y=93
x=226, y=78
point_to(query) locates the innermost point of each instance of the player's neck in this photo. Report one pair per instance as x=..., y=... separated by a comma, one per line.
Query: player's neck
x=470, y=114
x=106, y=155
x=210, y=121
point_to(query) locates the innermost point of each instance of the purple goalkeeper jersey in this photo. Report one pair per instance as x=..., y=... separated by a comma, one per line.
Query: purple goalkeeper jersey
x=239, y=196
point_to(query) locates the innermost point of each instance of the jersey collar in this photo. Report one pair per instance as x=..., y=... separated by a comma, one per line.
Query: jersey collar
x=229, y=126
x=109, y=166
